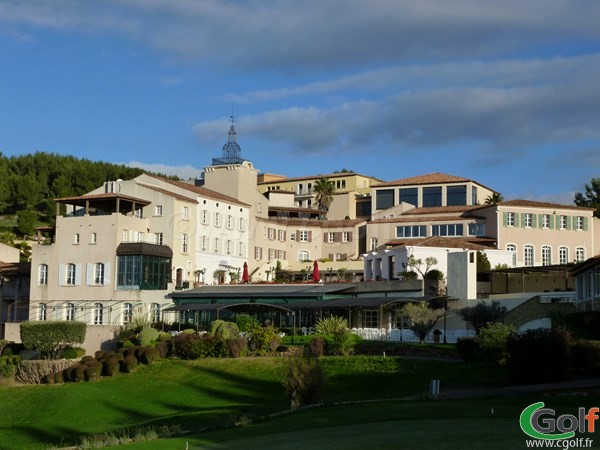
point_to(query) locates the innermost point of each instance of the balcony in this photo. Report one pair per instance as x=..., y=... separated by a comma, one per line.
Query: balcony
x=558, y=297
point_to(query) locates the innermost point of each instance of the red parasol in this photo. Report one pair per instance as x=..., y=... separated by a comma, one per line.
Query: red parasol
x=316, y=276
x=245, y=276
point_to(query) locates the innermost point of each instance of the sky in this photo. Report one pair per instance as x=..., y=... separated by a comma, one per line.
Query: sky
x=505, y=93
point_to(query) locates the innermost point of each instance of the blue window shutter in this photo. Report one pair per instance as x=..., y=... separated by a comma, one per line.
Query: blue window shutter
x=585, y=223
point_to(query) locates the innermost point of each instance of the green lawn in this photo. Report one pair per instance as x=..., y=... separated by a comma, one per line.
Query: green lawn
x=215, y=393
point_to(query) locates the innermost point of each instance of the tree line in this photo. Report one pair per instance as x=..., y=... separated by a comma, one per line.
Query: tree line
x=30, y=183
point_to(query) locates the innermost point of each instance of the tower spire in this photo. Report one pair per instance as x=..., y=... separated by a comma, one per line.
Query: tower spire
x=231, y=153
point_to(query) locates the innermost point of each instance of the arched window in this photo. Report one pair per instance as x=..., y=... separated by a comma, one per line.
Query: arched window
x=155, y=312
x=99, y=273
x=579, y=254
x=303, y=255
x=43, y=275
x=70, y=275
x=127, y=313
x=563, y=255
x=70, y=311
x=98, y=313
x=546, y=255
x=43, y=311
x=528, y=254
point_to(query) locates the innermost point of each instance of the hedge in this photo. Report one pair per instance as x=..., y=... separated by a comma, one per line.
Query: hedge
x=49, y=338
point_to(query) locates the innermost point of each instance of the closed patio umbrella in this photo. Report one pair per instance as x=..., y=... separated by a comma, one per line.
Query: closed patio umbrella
x=316, y=276
x=245, y=276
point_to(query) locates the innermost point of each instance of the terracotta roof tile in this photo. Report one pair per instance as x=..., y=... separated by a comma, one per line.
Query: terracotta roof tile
x=316, y=177
x=430, y=178
x=534, y=204
x=446, y=242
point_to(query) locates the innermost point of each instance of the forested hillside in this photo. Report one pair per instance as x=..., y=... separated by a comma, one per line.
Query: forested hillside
x=29, y=183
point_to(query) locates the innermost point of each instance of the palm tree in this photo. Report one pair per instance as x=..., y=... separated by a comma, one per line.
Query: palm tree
x=494, y=199
x=324, y=190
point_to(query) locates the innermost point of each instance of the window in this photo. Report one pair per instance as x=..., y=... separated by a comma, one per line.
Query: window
x=125, y=236
x=410, y=196
x=330, y=237
x=271, y=254
x=563, y=222
x=43, y=311
x=477, y=229
x=186, y=213
x=93, y=238
x=303, y=236
x=204, y=216
x=127, y=313
x=370, y=318
x=281, y=235
x=546, y=221
x=217, y=247
x=345, y=236
x=184, y=243
x=281, y=254
x=411, y=231
x=271, y=233
x=579, y=254
x=258, y=253
x=70, y=312
x=579, y=223
x=229, y=247
x=155, y=312
x=511, y=247
x=450, y=229
x=204, y=243
x=241, y=249
x=158, y=210
x=138, y=214
x=456, y=195
x=432, y=196
x=98, y=313
x=528, y=253
x=510, y=219
x=546, y=255
x=242, y=224
x=303, y=256
x=143, y=271
x=70, y=274
x=76, y=238
x=528, y=220
x=98, y=273
x=158, y=238
x=229, y=221
x=384, y=198
x=474, y=195
x=563, y=255
x=43, y=275
x=140, y=236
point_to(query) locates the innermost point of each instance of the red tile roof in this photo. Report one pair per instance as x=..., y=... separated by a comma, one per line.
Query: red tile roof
x=446, y=242
x=534, y=204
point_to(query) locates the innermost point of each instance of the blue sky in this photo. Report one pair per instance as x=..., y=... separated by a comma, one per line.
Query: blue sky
x=506, y=93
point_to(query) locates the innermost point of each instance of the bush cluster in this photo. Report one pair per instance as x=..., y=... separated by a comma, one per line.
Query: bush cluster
x=264, y=340
x=193, y=346
x=303, y=380
x=8, y=365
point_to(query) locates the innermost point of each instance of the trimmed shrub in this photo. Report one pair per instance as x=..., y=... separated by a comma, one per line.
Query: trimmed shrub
x=303, y=380
x=129, y=364
x=78, y=373
x=59, y=377
x=100, y=354
x=538, y=356
x=226, y=330
x=147, y=336
x=50, y=337
x=237, y=347
x=73, y=352
x=149, y=356
x=192, y=346
x=93, y=370
x=110, y=366
x=165, y=348
x=8, y=366
x=189, y=331
x=48, y=379
x=138, y=352
x=469, y=349
x=317, y=346
x=87, y=358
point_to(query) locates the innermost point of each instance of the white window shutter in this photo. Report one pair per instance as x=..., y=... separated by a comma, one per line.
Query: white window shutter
x=61, y=274
x=89, y=274
x=107, y=274
x=78, y=274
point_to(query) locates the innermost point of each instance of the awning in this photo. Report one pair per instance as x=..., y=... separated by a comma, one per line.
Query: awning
x=236, y=307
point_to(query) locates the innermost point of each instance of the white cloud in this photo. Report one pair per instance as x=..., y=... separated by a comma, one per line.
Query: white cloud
x=184, y=172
